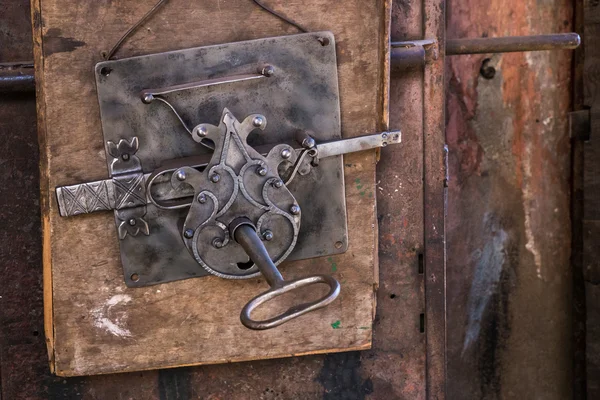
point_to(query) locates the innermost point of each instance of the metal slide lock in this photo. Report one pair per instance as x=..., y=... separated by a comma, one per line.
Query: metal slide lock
x=226, y=197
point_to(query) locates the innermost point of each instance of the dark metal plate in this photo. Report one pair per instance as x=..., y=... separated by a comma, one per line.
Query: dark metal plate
x=302, y=94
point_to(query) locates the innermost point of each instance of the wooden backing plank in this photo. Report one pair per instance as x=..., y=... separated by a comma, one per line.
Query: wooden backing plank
x=99, y=325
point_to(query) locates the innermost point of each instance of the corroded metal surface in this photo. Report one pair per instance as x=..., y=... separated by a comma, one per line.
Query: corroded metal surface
x=509, y=282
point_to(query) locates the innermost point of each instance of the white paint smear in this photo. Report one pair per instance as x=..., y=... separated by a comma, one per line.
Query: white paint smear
x=112, y=322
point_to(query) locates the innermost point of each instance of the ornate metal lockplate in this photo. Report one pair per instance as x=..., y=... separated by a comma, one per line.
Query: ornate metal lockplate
x=302, y=93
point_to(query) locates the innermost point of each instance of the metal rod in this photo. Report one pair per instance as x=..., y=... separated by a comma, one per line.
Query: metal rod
x=17, y=77
x=510, y=44
x=247, y=237
x=413, y=54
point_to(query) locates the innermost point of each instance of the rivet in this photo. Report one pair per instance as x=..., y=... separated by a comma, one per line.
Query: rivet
x=286, y=153
x=125, y=157
x=188, y=234
x=201, y=198
x=181, y=175
x=295, y=209
x=217, y=243
x=278, y=183
x=268, y=70
x=267, y=235
x=215, y=178
x=132, y=221
x=308, y=143
x=262, y=171
x=258, y=121
x=148, y=98
x=202, y=132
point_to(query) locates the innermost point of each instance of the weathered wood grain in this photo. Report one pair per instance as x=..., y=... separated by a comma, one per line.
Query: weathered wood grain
x=97, y=325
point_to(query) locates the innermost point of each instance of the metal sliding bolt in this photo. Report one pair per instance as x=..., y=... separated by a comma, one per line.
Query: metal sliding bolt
x=181, y=175
x=189, y=233
x=215, y=178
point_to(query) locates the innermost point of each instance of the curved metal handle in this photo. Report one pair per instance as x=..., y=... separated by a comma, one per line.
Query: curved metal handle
x=292, y=312
x=244, y=233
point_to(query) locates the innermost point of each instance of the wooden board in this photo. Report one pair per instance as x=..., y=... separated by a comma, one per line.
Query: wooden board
x=94, y=324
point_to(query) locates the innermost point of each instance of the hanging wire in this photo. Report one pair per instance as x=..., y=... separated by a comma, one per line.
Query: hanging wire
x=116, y=47
x=280, y=16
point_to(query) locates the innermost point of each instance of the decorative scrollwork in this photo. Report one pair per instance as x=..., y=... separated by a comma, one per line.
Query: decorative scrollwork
x=238, y=182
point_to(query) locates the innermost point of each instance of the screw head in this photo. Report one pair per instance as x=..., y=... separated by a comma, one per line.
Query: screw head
x=268, y=70
x=215, y=178
x=384, y=135
x=125, y=157
x=188, y=234
x=267, y=235
x=181, y=175
x=295, y=209
x=131, y=221
x=278, y=183
x=201, y=198
x=217, y=243
x=286, y=153
x=262, y=171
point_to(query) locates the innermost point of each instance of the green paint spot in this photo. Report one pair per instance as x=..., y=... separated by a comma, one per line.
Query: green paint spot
x=333, y=264
x=364, y=327
x=370, y=194
x=357, y=181
x=362, y=193
x=336, y=324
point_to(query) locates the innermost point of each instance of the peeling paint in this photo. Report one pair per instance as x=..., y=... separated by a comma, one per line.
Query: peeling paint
x=489, y=263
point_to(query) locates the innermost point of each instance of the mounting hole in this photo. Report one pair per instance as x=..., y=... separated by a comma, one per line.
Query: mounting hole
x=392, y=296
x=487, y=70
x=135, y=277
x=105, y=71
x=35, y=333
x=338, y=244
x=245, y=265
x=324, y=41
